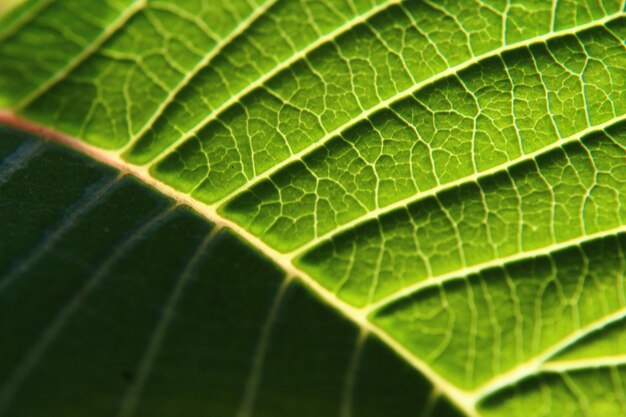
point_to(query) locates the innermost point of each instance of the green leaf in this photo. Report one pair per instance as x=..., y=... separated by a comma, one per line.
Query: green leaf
x=442, y=180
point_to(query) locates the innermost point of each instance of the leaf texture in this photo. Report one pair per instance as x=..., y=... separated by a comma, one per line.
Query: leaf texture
x=449, y=176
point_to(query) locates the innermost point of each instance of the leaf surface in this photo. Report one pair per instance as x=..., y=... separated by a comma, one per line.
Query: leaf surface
x=447, y=176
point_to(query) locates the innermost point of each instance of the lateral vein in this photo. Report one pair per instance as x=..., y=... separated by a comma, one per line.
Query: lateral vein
x=403, y=94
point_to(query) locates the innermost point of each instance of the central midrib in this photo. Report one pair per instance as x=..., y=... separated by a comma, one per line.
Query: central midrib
x=462, y=399
x=465, y=400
